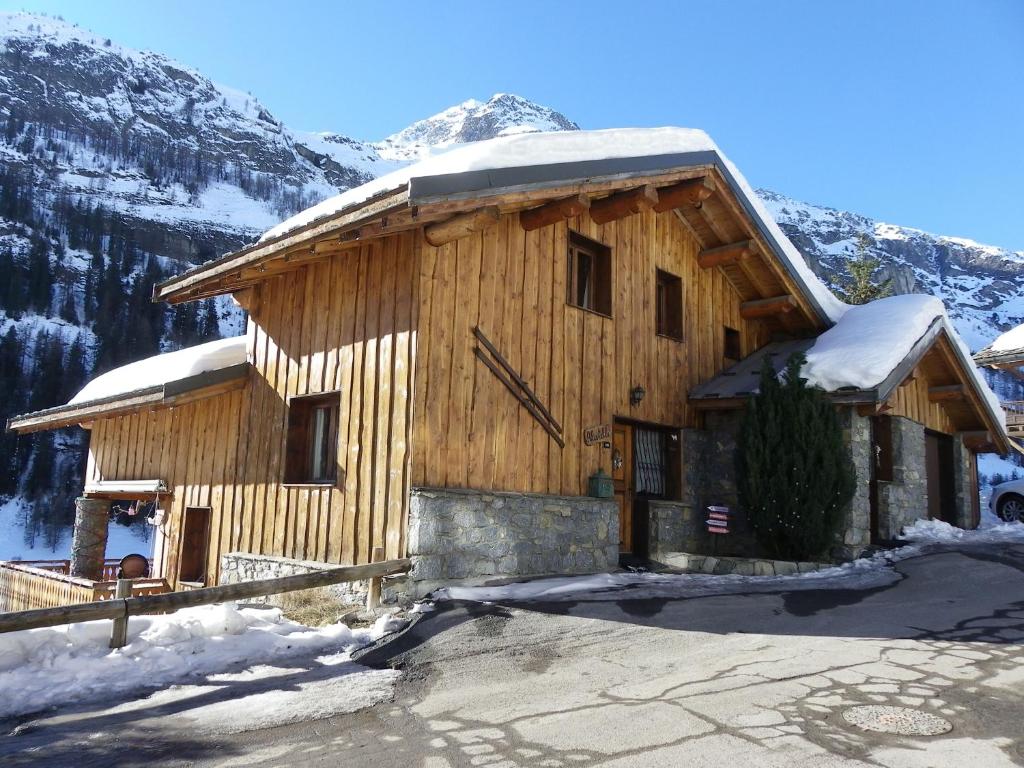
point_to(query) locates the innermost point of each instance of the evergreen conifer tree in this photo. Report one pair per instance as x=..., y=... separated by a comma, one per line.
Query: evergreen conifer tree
x=793, y=475
x=860, y=287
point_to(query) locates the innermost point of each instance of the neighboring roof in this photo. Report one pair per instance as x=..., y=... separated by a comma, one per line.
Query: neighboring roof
x=541, y=160
x=864, y=357
x=157, y=381
x=1008, y=348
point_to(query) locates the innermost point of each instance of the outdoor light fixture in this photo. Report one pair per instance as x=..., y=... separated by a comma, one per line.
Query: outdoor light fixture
x=636, y=394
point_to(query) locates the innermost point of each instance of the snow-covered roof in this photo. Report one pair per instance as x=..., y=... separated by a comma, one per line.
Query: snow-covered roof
x=1009, y=342
x=561, y=151
x=861, y=352
x=164, y=369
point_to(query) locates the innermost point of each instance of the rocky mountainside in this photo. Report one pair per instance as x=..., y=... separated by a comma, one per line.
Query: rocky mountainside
x=119, y=167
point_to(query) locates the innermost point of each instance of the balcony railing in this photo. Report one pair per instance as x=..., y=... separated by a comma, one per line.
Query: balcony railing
x=1014, y=416
x=27, y=584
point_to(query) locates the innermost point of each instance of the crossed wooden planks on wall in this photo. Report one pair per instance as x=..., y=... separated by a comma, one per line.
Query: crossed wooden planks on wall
x=507, y=375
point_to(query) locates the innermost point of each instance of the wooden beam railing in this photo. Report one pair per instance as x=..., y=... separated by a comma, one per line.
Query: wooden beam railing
x=122, y=608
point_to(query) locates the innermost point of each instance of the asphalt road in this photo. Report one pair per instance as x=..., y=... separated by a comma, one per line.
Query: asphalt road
x=626, y=679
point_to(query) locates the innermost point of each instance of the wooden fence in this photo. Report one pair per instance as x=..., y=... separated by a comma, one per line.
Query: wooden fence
x=121, y=606
x=29, y=584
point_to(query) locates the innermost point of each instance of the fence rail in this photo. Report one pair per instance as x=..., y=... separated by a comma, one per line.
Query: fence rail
x=120, y=609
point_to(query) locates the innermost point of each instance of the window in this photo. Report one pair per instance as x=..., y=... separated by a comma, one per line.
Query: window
x=312, y=451
x=589, y=278
x=669, y=305
x=733, y=350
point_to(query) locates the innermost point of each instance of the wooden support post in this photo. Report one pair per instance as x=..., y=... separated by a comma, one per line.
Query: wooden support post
x=725, y=254
x=623, y=204
x=373, y=592
x=552, y=212
x=776, y=305
x=460, y=226
x=119, y=631
x=691, y=192
x=947, y=392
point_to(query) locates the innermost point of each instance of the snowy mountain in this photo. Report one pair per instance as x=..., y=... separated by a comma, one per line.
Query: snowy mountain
x=980, y=284
x=120, y=167
x=501, y=115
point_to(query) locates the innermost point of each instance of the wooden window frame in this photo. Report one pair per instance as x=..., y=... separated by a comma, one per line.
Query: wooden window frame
x=600, y=294
x=668, y=304
x=732, y=344
x=300, y=448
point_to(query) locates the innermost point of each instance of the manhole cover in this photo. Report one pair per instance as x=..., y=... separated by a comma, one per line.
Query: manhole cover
x=899, y=720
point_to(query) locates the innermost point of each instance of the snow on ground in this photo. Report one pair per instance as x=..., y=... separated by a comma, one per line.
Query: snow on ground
x=121, y=540
x=865, y=573
x=219, y=645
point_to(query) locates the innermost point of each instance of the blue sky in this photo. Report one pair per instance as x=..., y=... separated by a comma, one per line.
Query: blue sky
x=910, y=111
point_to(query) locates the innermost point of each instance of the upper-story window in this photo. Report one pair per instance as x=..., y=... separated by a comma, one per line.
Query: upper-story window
x=312, y=447
x=732, y=347
x=589, y=277
x=669, y=304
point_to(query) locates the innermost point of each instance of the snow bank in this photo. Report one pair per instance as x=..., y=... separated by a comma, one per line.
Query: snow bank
x=43, y=667
x=161, y=369
x=1011, y=340
x=938, y=532
x=565, y=147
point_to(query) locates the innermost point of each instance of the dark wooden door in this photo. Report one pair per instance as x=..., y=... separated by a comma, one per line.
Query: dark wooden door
x=941, y=488
x=622, y=477
x=195, y=542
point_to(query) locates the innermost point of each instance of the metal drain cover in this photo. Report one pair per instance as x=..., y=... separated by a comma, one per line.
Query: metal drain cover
x=902, y=721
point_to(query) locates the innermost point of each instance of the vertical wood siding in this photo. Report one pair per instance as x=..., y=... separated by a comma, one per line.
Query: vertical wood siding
x=345, y=324
x=470, y=432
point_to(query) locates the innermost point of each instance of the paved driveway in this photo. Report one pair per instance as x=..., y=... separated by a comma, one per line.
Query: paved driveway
x=625, y=679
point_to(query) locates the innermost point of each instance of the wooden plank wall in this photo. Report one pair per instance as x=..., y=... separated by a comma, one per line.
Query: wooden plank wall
x=911, y=401
x=345, y=324
x=469, y=431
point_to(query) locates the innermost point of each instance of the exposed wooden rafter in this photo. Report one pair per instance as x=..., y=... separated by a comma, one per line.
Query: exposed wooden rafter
x=691, y=192
x=623, y=204
x=725, y=254
x=462, y=225
x=947, y=392
x=553, y=212
x=776, y=305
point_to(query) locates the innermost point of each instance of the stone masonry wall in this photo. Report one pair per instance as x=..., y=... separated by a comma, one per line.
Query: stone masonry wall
x=963, y=458
x=905, y=499
x=855, y=533
x=244, y=566
x=474, y=536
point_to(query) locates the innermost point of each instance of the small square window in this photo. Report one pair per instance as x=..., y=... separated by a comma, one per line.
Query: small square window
x=669, y=305
x=589, y=277
x=312, y=449
x=733, y=349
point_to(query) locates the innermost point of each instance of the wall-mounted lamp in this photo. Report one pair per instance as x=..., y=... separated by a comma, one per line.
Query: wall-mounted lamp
x=636, y=394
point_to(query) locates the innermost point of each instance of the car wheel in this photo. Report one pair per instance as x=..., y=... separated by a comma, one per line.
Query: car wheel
x=1011, y=508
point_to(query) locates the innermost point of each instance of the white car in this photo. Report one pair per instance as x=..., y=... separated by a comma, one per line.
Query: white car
x=1007, y=501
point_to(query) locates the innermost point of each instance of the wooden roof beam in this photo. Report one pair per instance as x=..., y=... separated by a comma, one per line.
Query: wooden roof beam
x=776, y=305
x=623, y=204
x=553, y=212
x=725, y=254
x=691, y=192
x=947, y=392
x=461, y=226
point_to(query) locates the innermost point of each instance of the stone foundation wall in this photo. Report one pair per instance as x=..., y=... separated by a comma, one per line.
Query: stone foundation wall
x=905, y=499
x=673, y=526
x=474, y=536
x=243, y=566
x=740, y=566
x=966, y=492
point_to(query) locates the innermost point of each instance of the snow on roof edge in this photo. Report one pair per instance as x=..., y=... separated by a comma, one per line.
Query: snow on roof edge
x=163, y=369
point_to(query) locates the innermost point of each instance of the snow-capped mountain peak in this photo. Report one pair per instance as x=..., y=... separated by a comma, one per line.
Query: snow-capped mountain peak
x=472, y=120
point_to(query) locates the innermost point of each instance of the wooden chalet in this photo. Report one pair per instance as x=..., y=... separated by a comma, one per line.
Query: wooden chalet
x=458, y=362
x=1006, y=354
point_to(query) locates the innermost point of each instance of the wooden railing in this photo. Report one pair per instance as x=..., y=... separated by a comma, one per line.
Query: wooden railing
x=1014, y=416
x=125, y=605
x=29, y=584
